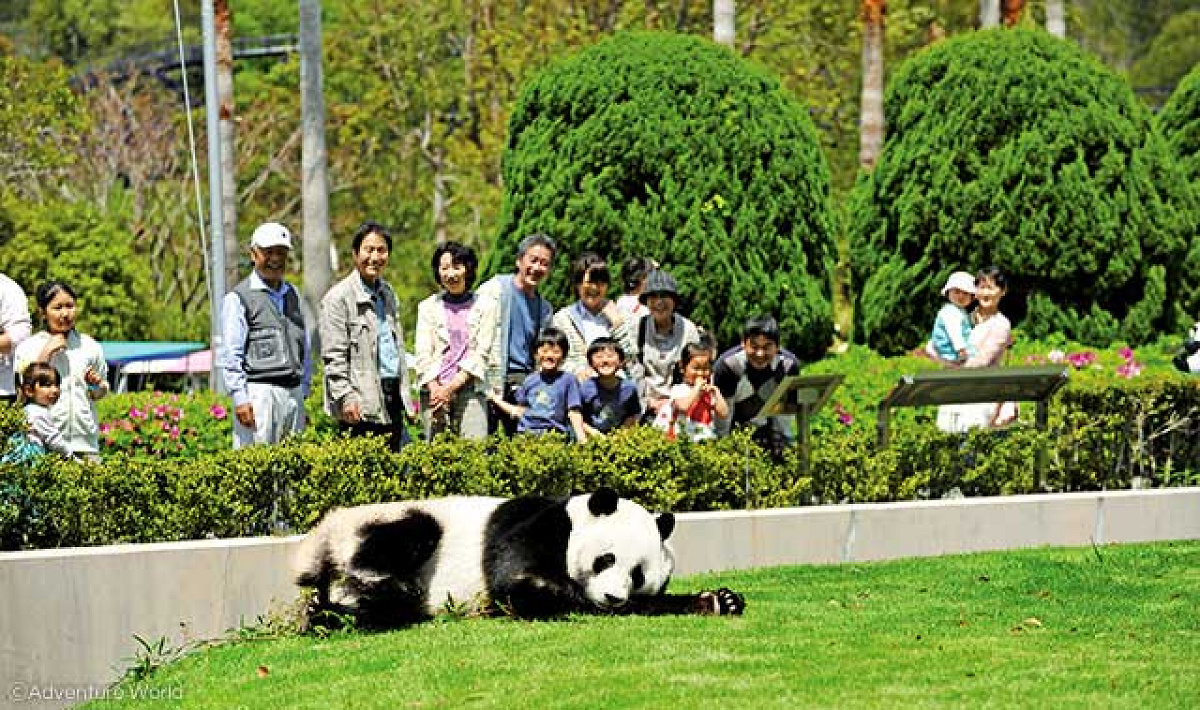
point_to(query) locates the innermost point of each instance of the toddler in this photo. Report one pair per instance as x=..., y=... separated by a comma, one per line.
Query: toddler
x=609, y=400
x=548, y=400
x=39, y=391
x=952, y=328
x=696, y=403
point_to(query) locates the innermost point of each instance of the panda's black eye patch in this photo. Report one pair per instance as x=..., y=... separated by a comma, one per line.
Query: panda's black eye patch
x=603, y=562
x=638, y=577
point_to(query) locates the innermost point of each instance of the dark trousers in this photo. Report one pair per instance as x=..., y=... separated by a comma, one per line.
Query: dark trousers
x=497, y=419
x=397, y=431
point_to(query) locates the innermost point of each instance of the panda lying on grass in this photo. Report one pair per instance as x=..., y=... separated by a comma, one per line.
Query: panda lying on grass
x=392, y=564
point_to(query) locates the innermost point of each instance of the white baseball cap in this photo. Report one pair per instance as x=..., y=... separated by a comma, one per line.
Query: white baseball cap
x=960, y=280
x=271, y=234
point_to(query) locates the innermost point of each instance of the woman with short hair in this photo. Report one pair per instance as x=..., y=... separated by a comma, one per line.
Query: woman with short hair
x=449, y=372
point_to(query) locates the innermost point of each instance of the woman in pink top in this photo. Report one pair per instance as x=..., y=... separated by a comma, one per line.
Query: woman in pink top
x=448, y=370
x=991, y=336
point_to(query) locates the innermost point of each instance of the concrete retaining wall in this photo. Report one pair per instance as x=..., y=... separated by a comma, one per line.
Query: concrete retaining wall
x=68, y=617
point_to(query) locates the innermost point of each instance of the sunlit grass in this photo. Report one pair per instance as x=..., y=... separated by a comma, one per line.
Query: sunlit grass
x=1115, y=626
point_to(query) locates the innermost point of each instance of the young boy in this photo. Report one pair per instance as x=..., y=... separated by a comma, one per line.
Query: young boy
x=609, y=401
x=548, y=400
x=952, y=328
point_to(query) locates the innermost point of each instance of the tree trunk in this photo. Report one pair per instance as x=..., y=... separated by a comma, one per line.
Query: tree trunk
x=871, y=116
x=314, y=190
x=723, y=18
x=1056, y=19
x=989, y=13
x=223, y=23
x=1011, y=11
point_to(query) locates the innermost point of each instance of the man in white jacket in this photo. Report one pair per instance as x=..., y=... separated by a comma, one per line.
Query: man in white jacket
x=15, y=326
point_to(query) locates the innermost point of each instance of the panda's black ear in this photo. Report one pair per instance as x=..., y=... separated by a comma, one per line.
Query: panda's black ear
x=666, y=525
x=603, y=502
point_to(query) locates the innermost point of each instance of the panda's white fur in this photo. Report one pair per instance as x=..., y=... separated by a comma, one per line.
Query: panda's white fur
x=454, y=578
x=532, y=556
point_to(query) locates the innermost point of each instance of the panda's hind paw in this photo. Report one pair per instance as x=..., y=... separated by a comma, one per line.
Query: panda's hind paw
x=723, y=602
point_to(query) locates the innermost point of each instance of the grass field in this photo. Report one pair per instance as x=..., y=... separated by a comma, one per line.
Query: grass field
x=1107, y=627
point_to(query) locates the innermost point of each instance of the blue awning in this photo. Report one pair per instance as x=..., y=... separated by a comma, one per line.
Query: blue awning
x=117, y=352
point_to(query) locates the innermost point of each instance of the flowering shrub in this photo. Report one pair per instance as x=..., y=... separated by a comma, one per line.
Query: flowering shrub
x=164, y=425
x=1081, y=359
x=1130, y=367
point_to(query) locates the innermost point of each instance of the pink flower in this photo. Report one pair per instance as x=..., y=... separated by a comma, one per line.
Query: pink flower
x=177, y=414
x=1129, y=369
x=1126, y=354
x=1081, y=360
x=842, y=415
x=217, y=411
x=174, y=433
x=135, y=413
x=1056, y=356
x=104, y=428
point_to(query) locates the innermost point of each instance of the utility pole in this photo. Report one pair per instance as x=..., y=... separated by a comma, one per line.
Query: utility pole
x=314, y=190
x=217, y=240
x=224, y=22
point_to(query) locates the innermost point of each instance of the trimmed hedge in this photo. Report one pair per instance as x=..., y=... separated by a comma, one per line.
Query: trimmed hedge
x=1111, y=424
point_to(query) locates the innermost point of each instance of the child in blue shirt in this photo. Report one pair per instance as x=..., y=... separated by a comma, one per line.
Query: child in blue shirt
x=952, y=328
x=548, y=400
x=609, y=401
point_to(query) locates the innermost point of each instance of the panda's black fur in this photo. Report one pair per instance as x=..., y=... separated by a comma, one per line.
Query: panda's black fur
x=393, y=564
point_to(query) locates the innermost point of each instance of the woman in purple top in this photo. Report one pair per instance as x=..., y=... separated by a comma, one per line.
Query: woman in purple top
x=449, y=372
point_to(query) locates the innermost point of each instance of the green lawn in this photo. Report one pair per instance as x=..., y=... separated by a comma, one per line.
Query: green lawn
x=1115, y=626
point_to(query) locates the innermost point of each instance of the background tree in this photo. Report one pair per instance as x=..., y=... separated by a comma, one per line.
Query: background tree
x=95, y=254
x=1171, y=54
x=1015, y=148
x=40, y=119
x=668, y=146
x=872, y=118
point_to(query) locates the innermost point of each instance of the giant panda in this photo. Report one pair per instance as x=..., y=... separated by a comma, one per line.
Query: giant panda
x=534, y=557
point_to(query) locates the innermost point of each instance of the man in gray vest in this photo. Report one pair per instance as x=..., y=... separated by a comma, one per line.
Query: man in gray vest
x=266, y=360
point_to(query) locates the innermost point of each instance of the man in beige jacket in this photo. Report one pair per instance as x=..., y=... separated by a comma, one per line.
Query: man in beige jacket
x=362, y=344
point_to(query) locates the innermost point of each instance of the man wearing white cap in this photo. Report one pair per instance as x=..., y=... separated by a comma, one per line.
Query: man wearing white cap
x=948, y=343
x=265, y=359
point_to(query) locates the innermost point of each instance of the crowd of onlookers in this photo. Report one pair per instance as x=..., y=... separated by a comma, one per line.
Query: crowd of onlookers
x=490, y=356
x=487, y=357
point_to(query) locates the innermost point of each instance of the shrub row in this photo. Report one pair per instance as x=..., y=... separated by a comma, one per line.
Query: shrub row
x=1106, y=431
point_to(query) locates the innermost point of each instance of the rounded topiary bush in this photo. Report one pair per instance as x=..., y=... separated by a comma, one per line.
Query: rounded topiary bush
x=1015, y=148
x=1179, y=122
x=671, y=147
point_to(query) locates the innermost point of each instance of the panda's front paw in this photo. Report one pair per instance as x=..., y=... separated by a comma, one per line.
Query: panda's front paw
x=722, y=602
